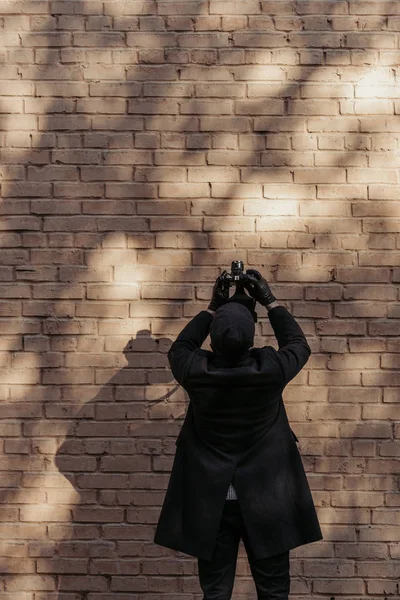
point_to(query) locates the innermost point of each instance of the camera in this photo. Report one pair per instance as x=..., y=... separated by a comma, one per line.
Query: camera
x=236, y=277
x=236, y=274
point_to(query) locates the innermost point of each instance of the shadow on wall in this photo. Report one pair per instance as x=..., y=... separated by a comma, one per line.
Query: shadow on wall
x=119, y=467
x=83, y=213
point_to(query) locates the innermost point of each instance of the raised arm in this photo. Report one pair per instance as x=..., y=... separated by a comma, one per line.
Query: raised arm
x=294, y=350
x=190, y=339
x=192, y=336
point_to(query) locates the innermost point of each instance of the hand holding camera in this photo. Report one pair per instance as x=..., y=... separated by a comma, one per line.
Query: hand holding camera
x=251, y=280
x=258, y=287
x=220, y=293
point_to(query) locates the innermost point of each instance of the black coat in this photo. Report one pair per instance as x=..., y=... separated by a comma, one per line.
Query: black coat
x=236, y=429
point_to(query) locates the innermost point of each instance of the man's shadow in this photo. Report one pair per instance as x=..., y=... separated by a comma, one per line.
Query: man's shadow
x=118, y=459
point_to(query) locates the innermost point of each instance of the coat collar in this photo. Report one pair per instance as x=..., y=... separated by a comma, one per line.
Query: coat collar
x=219, y=361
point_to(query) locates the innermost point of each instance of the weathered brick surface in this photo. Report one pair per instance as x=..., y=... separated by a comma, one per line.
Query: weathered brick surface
x=144, y=146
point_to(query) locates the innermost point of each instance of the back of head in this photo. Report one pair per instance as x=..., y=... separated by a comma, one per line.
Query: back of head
x=232, y=331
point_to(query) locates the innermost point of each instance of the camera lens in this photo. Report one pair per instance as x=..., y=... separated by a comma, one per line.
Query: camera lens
x=237, y=269
x=237, y=265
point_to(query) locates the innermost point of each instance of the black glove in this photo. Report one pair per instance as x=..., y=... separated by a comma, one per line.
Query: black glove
x=258, y=287
x=220, y=293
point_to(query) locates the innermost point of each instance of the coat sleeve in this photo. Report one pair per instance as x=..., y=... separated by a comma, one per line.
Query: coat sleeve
x=190, y=339
x=294, y=350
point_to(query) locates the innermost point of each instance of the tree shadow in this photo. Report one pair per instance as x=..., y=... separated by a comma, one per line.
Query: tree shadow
x=82, y=226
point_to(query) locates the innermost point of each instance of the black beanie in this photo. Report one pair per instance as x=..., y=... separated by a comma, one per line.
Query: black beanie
x=232, y=330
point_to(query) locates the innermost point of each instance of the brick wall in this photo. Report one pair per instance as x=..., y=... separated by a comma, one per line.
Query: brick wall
x=144, y=146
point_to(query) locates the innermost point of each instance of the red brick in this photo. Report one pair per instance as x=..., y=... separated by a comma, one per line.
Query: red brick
x=82, y=190
x=369, y=292
x=331, y=292
x=340, y=327
x=85, y=274
x=181, y=240
x=163, y=257
x=311, y=309
x=173, y=207
x=362, y=40
x=383, y=192
x=176, y=224
x=183, y=190
x=287, y=188
x=215, y=174
x=360, y=309
x=320, y=175
x=167, y=291
x=309, y=275
x=362, y=275
x=192, y=274
x=318, y=209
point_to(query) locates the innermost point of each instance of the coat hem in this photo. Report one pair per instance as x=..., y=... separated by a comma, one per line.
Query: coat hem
x=207, y=556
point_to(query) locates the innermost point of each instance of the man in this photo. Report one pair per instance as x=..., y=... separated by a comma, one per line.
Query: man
x=237, y=472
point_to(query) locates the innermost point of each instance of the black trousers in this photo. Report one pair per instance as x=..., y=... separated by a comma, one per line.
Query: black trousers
x=271, y=575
